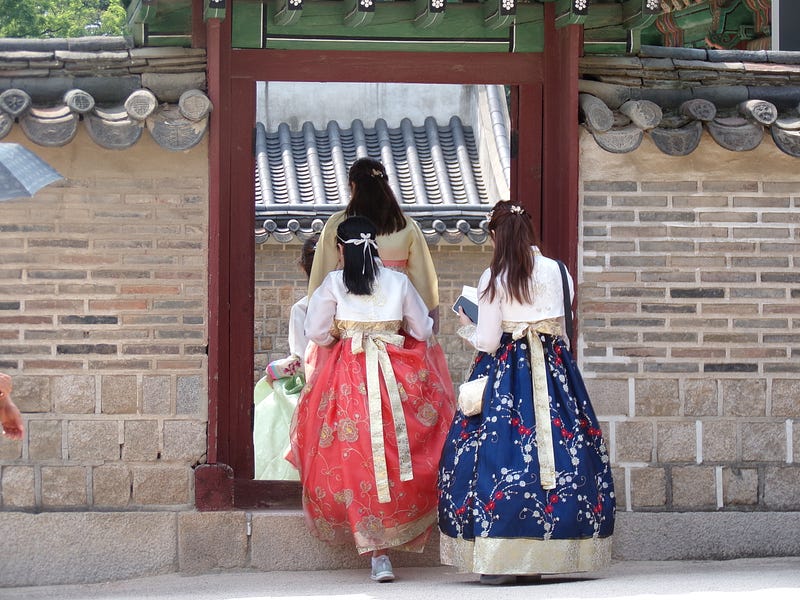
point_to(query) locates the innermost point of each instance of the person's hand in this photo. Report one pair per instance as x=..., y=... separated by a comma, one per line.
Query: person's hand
x=10, y=417
x=434, y=314
x=462, y=316
x=5, y=385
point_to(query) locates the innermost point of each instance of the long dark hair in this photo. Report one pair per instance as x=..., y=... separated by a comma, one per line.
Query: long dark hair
x=512, y=230
x=373, y=198
x=307, y=253
x=357, y=236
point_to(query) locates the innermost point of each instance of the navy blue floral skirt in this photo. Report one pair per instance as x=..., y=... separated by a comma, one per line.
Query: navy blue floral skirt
x=493, y=511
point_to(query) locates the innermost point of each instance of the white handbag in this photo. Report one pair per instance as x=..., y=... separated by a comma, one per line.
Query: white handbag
x=470, y=396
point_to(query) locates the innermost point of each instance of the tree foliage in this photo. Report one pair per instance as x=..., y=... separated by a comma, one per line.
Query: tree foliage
x=61, y=18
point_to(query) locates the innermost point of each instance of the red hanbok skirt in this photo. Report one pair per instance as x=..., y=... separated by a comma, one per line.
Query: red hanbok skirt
x=333, y=450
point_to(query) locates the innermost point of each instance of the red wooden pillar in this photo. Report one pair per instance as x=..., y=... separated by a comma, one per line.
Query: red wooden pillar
x=213, y=481
x=559, y=229
x=526, y=166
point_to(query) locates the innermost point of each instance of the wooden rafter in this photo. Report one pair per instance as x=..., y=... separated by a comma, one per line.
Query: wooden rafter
x=429, y=13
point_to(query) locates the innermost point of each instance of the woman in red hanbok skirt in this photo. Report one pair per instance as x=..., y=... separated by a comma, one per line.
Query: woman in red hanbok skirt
x=401, y=247
x=369, y=427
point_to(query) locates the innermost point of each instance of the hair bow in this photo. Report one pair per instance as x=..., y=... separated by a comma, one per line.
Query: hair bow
x=368, y=243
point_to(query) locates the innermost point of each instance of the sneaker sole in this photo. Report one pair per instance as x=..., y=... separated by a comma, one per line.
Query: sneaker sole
x=382, y=577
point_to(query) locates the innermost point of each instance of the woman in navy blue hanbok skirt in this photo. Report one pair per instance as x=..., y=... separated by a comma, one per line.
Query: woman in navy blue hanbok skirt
x=525, y=486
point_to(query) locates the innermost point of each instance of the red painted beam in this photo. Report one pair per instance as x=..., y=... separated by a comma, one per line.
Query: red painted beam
x=389, y=67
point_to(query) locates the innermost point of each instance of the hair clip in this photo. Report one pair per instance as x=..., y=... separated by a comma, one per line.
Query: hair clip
x=517, y=209
x=377, y=173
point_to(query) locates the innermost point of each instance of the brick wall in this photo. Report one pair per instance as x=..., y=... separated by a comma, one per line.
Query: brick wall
x=690, y=323
x=103, y=306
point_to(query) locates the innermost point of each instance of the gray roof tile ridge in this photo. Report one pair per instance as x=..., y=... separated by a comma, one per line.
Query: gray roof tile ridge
x=81, y=44
x=432, y=164
x=497, y=111
x=712, y=55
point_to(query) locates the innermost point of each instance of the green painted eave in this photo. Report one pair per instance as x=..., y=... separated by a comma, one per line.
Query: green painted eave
x=462, y=28
x=160, y=22
x=610, y=27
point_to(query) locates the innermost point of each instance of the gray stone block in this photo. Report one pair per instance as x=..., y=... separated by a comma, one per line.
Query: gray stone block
x=155, y=395
x=744, y=397
x=648, y=488
x=57, y=547
x=189, y=398
x=118, y=394
x=64, y=486
x=162, y=485
x=763, y=442
x=609, y=396
x=93, y=440
x=74, y=394
x=111, y=485
x=184, y=440
x=700, y=397
x=657, y=397
x=719, y=441
x=44, y=440
x=786, y=398
x=10, y=449
x=212, y=540
x=740, y=487
x=281, y=541
x=705, y=535
x=780, y=488
x=634, y=441
x=32, y=394
x=677, y=442
x=141, y=441
x=694, y=487
x=17, y=488
x=673, y=53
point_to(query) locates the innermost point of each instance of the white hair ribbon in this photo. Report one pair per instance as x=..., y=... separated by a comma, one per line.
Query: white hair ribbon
x=365, y=240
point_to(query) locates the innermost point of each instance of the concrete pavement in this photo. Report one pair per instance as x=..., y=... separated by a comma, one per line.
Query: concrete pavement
x=741, y=579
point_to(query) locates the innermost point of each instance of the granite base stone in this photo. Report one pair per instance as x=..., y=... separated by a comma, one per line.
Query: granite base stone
x=56, y=548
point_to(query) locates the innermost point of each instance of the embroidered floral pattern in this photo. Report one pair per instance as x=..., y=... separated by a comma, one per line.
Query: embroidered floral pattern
x=331, y=441
x=347, y=430
x=325, y=436
x=344, y=497
x=427, y=415
x=489, y=473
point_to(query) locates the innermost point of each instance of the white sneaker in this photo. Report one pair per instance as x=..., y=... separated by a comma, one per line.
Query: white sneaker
x=381, y=569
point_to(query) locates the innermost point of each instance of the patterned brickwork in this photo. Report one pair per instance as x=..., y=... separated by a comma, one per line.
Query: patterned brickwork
x=103, y=301
x=690, y=323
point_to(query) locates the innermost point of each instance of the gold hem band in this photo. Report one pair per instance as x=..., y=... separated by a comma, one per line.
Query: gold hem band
x=525, y=556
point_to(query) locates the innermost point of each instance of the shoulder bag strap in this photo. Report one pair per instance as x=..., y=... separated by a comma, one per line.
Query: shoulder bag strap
x=567, y=299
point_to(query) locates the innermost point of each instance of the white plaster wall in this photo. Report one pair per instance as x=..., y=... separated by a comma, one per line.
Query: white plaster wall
x=320, y=103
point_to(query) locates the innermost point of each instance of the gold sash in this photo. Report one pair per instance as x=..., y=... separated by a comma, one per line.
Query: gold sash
x=541, y=400
x=369, y=339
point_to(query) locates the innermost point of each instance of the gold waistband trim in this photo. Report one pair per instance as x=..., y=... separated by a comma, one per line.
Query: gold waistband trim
x=347, y=328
